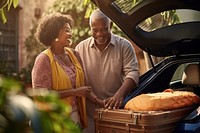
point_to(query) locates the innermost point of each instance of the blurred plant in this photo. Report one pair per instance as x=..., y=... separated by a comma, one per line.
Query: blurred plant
x=5, y=5
x=53, y=113
x=8, y=86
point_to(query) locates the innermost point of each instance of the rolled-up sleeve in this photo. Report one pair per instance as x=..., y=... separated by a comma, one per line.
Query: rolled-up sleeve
x=130, y=63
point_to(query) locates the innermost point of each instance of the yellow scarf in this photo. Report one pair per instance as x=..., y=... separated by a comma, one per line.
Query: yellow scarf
x=61, y=81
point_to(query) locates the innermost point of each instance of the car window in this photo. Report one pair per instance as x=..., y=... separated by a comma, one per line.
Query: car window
x=179, y=16
x=126, y=5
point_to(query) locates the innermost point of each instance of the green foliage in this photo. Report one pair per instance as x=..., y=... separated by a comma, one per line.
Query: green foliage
x=171, y=17
x=5, y=5
x=91, y=7
x=8, y=86
x=53, y=112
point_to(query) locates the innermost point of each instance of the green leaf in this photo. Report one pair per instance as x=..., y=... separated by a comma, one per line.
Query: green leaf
x=10, y=84
x=15, y=3
x=86, y=2
x=57, y=127
x=9, y=4
x=88, y=12
x=3, y=16
x=46, y=122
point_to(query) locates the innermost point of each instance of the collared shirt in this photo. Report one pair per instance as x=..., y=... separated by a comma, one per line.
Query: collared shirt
x=106, y=70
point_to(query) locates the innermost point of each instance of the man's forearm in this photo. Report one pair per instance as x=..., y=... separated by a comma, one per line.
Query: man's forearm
x=127, y=86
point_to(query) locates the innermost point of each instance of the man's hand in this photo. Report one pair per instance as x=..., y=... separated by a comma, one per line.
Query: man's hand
x=114, y=102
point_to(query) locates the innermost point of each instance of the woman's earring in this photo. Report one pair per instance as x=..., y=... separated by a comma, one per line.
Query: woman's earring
x=56, y=39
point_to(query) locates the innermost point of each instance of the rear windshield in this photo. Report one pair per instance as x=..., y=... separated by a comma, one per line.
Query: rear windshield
x=171, y=17
x=159, y=20
x=127, y=5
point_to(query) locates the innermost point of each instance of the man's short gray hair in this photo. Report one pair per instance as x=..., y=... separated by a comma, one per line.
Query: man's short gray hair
x=98, y=14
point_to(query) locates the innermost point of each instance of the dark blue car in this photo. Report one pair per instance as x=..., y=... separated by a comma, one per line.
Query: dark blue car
x=178, y=43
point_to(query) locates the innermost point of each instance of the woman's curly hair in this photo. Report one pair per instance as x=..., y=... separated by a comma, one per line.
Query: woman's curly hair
x=49, y=27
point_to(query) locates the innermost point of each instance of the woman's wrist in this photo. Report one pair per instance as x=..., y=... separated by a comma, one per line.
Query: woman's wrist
x=95, y=100
x=99, y=102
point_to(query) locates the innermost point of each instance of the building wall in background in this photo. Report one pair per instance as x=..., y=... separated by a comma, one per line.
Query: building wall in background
x=30, y=12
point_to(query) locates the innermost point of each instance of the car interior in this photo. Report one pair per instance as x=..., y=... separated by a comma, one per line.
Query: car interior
x=191, y=78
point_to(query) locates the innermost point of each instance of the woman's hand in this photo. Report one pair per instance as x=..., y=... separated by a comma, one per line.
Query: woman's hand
x=82, y=91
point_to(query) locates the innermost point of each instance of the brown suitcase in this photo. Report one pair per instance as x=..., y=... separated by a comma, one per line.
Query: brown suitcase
x=126, y=121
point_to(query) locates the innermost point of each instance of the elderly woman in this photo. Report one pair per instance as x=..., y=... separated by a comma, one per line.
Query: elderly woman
x=59, y=67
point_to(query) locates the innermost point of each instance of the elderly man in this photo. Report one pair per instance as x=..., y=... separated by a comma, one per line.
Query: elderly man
x=110, y=65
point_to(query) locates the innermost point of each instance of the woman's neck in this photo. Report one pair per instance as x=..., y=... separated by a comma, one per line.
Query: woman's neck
x=57, y=50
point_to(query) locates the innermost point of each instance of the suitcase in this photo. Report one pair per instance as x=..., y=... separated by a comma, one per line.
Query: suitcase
x=127, y=121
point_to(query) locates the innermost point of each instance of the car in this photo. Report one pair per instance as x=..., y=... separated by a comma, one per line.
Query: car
x=177, y=43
